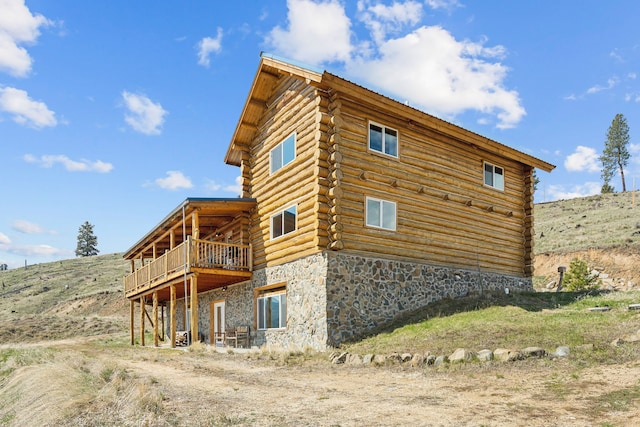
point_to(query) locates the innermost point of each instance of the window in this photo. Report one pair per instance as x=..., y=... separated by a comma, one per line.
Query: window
x=283, y=153
x=272, y=309
x=383, y=139
x=283, y=222
x=493, y=176
x=381, y=214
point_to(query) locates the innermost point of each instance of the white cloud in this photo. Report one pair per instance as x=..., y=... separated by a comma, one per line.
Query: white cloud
x=560, y=192
x=36, y=250
x=208, y=45
x=318, y=32
x=4, y=239
x=583, y=159
x=27, y=227
x=82, y=165
x=426, y=66
x=381, y=19
x=611, y=83
x=144, y=115
x=24, y=110
x=212, y=186
x=443, y=76
x=18, y=26
x=235, y=188
x=442, y=4
x=175, y=180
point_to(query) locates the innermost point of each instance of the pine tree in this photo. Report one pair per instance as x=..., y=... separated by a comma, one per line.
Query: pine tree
x=87, y=241
x=615, y=155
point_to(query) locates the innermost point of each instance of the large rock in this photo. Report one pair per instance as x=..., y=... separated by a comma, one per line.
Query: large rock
x=533, y=352
x=562, y=351
x=461, y=355
x=485, y=355
x=506, y=355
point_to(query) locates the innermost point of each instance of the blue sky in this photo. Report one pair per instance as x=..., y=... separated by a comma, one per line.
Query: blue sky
x=114, y=112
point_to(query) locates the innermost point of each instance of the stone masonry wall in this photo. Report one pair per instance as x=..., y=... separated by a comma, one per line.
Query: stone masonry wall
x=364, y=293
x=333, y=297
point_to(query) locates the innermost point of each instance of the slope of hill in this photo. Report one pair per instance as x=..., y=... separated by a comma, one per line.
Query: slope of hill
x=80, y=296
x=602, y=230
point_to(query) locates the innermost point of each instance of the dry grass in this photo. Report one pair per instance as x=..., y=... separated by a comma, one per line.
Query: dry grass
x=600, y=221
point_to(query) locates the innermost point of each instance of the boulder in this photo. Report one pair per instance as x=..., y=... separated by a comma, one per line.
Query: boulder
x=485, y=355
x=417, y=360
x=461, y=355
x=354, y=359
x=440, y=360
x=562, y=351
x=506, y=355
x=405, y=357
x=338, y=358
x=367, y=359
x=533, y=352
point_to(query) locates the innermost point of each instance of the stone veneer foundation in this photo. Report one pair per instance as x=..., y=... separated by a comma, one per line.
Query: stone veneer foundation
x=333, y=297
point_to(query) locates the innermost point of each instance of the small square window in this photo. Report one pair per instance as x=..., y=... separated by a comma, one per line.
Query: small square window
x=380, y=214
x=284, y=222
x=283, y=153
x=383, y=139
x=494, y=176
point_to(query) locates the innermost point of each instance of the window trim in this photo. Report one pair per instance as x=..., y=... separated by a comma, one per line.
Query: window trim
x=276, y=289
x=281, y=145
x=383, y=152
x=493, y=175
x=381, y=204
x=281, y=212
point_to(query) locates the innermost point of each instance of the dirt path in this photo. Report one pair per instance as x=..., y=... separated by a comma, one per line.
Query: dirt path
x=215, y=389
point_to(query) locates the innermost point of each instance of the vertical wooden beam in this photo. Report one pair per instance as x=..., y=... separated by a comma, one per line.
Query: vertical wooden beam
x=172, y=317
x=194, y=308
x=195, y=225
x=155, y=250
x=133, y=265
x=172, y=239
x=162, y=322
x=142, y=311
x=132, y=311
x=156, y=341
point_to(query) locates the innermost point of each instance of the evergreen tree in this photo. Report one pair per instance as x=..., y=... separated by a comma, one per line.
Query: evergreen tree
x=87, y=241
x=615, y=155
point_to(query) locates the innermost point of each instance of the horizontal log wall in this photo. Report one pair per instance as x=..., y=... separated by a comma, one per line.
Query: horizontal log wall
x=445, y=215
x=293, y=107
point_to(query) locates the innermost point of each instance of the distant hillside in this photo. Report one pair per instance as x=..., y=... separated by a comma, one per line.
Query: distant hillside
x=600, y=221
x=601, y=230
x=74, y=296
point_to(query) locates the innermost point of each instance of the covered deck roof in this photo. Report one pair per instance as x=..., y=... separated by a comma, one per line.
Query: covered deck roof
x=212, y=213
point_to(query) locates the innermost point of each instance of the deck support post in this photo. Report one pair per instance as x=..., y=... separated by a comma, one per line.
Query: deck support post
x=132, y=310
x=172, y=316
x=194, y=308
x=156, y=341
x=142, y=311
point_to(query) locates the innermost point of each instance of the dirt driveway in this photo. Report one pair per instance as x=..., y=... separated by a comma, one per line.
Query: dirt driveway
x=82, y=384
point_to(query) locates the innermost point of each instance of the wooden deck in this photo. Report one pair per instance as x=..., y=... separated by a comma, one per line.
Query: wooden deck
x=217, y=264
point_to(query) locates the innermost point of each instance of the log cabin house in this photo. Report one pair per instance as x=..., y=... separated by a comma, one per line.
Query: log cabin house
x=355, y=208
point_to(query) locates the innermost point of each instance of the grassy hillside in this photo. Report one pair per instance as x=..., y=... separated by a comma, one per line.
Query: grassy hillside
x=80, y=296
x=600, y=221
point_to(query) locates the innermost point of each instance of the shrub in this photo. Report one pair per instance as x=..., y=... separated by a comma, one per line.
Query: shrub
x=580, y=278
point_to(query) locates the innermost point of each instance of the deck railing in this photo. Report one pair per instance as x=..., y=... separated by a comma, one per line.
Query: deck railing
x=201, y=254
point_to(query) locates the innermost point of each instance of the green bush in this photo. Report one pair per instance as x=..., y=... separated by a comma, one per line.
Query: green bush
x=579, y=278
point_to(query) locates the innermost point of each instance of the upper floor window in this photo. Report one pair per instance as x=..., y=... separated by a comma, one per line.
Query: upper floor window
x=283, y=153
x=493, y=176
x=383, y=139
x=284, y=222
x=381, y=214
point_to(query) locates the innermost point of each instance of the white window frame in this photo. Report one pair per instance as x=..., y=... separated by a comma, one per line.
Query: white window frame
x=497, y=184
x=384, y=145
x=279, y=151
x=263, y=300
x=282, y=223
x=382, y=203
